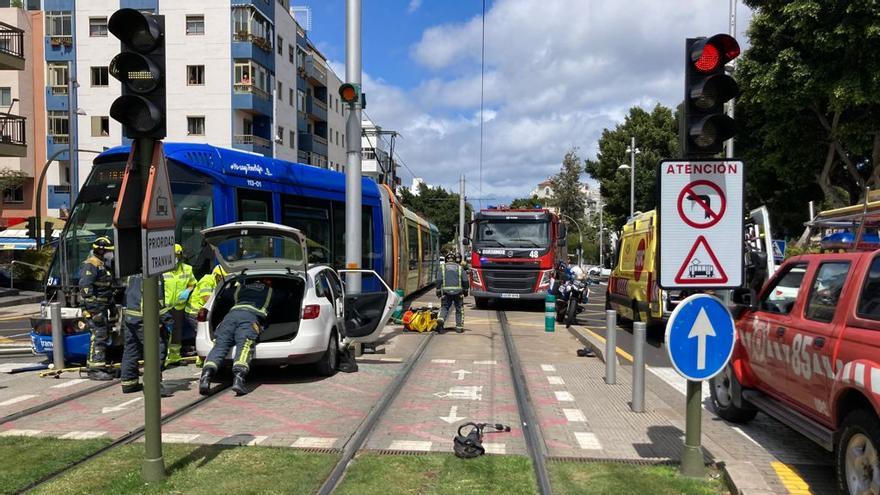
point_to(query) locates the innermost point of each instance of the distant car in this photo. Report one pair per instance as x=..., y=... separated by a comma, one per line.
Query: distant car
x=597, y=273
x=310, y=316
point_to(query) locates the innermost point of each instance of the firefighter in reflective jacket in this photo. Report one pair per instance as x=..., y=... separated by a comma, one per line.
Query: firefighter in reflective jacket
x=134, y=333
x=96, y=286
x=201, y=293
x=179, y=283
x=452, y=288
x=240, y=327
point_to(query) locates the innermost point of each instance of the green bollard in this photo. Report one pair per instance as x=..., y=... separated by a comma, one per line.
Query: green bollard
x=398, y=310
x=550, y=313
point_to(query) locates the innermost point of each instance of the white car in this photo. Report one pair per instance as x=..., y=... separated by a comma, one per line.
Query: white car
x=310, y=317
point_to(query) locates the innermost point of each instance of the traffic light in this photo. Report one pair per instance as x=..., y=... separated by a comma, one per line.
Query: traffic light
x=31, y=229
x=707, y=88
x=47, y=232
x=351, y=93
x=140, y=67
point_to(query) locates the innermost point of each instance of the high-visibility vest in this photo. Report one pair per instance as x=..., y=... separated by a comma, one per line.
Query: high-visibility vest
x=177, y=281
x=134, y=298
x=452, y=270
x=253, y=296
x=200, y=295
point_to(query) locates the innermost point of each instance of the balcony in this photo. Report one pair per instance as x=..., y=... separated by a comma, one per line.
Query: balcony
x=12, y=136
x=11, y=47
x=59, y=47
x=315, y=72
x=317, y=109
x=250, y=142
x=58, y=143
x=251, y=99
x=312, y=143
x=259, y=42
x=248, y=46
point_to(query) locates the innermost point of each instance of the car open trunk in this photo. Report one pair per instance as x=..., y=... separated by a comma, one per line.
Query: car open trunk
x=284, y=311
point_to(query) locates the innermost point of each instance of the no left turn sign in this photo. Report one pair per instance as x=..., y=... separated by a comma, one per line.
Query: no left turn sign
x=706, y=207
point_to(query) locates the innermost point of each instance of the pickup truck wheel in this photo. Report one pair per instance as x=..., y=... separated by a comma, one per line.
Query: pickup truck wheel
x=329, y=362
x=720, y=390
x=856, y=454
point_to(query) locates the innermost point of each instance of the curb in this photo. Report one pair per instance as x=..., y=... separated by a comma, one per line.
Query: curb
x=589, y=341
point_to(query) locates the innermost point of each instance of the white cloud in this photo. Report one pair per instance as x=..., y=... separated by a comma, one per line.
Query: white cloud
x=557, y=72
x=414, y=5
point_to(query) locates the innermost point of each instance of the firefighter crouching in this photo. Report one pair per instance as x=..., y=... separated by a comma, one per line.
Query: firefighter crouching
x=134, y=334
x=240, y=327
x=96, y=285
x=452, y=288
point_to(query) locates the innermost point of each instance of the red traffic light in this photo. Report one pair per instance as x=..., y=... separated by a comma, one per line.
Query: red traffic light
x=349, y=93
x=709, y=54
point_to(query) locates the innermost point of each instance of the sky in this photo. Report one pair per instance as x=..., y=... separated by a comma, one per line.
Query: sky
x=557, y=72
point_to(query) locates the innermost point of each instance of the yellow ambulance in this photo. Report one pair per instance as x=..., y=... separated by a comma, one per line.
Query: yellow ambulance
x=632, y=288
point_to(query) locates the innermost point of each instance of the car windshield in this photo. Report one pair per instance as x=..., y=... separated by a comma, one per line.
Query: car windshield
x=246, y=250
x=533, y=234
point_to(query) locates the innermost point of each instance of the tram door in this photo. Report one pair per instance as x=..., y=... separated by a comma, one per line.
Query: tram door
x=255, y=206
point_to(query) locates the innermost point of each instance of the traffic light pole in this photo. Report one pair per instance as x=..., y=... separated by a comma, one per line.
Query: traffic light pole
x=353, y=210
x=154, y=464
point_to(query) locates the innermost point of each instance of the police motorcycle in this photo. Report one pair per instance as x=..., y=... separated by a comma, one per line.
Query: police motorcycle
x=573, y=293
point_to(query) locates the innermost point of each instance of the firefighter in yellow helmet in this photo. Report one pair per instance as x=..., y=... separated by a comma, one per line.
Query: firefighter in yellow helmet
x=200, y=294
x=96, y=288
x=179, y=284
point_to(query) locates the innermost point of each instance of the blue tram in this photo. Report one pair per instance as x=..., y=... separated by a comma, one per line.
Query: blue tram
x=214, y=186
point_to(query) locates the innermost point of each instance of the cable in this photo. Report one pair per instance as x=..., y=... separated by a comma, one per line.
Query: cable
x=482, y=75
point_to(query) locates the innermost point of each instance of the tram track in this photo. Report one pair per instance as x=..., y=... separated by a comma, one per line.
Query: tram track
x=57, y=402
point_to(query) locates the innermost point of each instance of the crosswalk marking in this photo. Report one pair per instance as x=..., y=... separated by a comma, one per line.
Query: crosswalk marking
x=20, y=433
x=495, y=448
x=83, y=435
x=489, y=362
x=563, y=396
x=242, y=439
x=548, y=367
x=555, y=380
x=443, y=361
x=315, y=442
x=410, y=445
x=574, y=415
x=69, y=383
x=587, y=441
x=179, y=437
x=16, y=400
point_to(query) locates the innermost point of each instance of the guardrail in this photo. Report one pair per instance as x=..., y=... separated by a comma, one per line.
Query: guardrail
x=11, y=40
x=12, y=129
x=251, y=139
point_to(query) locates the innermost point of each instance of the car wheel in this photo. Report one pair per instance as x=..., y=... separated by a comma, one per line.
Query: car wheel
x=329, y=362
x=720, y=390
x=856, y=455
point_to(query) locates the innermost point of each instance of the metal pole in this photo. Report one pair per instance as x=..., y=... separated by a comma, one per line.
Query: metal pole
x=461, y=215
x=610, y=347
x=632, y=177
x=71, y=135
x=732, y=102
x=353, y=249
x=692, y=456
x=601, y=238
x=154, y=464
x=812, y=211
x=57, y=335
x=638, y=374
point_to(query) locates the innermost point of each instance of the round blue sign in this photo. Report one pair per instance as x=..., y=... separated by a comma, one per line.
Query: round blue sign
x=700, y=336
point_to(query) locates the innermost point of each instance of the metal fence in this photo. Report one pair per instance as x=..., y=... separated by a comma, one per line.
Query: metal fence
x=11, y=40
x=12, y=129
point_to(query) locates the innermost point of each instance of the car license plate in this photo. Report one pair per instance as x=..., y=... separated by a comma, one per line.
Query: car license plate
x=507, y=295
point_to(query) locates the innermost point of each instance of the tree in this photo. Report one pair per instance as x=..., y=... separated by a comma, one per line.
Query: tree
x=809, y=104
x=527, y=202
x=568, y=197
x=438, y=206
x=656, y=134
x=10, y=179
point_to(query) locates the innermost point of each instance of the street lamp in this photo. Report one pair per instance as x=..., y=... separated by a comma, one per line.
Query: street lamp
x=580, y=238
x=633, y=151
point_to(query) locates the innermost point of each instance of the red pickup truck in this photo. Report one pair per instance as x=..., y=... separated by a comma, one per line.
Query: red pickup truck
x=808, y=354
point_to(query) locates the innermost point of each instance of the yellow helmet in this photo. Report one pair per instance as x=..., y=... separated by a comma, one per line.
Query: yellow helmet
x=103, y=243
x=219, y=273
x=178, y=249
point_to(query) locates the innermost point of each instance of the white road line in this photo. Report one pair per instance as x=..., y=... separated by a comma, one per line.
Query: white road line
x=555, y=380
x=563, y=396
x=20, y=433
x=315, y=442
x=16, y=400
x=548, y=367
x=411, y=445
x=489, y=362
x=587, y=441
x=391, y=360
x=676, y=381
x=83, y=435
x=574, y=415
x=70, y=383
x=443, y=361
x=242, y=439
x=179, y=437
x=495, y=448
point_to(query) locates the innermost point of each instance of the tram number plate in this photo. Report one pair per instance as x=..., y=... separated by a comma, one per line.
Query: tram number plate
x=508, y=295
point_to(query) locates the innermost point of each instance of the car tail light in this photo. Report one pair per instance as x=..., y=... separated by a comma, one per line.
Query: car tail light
x=203, y=315
x=311, y=311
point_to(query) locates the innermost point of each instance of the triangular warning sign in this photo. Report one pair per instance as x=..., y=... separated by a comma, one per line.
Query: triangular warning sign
x=696, y=271
x=158, y=209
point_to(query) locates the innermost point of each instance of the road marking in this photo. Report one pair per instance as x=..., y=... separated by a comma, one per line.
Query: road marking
x=16, y=400
x=391, y=360
x=410, y=445
x=443, y=361
x=70, y=383
x=574, y=415
x=620, y=352
x=495, y=448
x=461, y=374
x=548, y=367
x=84, y=435
x=242, y=439
x=563, y=396
x=20, y=433
x=555, y=380
x=314, y=442
x=489, y=362
x=790, y=479
x=179, y=437
x=468, y=392
x=120, y=407
x=453, y=415
x=587, y=441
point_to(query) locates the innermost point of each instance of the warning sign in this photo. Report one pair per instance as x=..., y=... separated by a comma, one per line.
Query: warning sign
x=158, y=209
x=701, y=223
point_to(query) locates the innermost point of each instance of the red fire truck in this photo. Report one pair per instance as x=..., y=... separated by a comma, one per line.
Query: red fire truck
x=514, y=253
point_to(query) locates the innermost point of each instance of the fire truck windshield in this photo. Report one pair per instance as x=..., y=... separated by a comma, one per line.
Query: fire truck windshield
x=515, y=233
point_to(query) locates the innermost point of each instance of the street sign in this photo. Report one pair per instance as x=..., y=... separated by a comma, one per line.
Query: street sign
x=159, y=254
x=701, y=224
x=699, y=337
x=778, y=251
x=158, y=208
x=126, y=221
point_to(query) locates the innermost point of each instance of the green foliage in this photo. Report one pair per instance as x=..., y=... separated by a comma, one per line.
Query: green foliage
x=40, y=258
x=16, y=4
x=439, y=207
x=567, y=194
x=10, y=179
x=656, y=134
x=527, y=202
x=28, y=459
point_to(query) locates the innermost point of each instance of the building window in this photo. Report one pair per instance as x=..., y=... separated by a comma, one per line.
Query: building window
x=290, y=95
x=100, y=126
x=290, y=53
x=330, y=134
x=57, y=123
x=195, y=126
x=57, y=77
x=248, y=24
x=5, y=97
x=58, y=23
x=195, y=75
x=13, y=195
x=251, y=77
x=195, y=25
x=280, y=45
x=279, y=135
x=97, y=27
x=337, y=137
x=100, y=76
x=300, y=100
x=280, y=91
x=247, y=127
x=291, y=139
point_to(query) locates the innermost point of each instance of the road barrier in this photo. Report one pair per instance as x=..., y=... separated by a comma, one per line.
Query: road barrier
x=610, y=347
x=57, y=335
x=638, y=374
x=550, y=313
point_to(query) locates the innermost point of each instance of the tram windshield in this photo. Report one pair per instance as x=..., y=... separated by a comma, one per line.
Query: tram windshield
x=92, y=217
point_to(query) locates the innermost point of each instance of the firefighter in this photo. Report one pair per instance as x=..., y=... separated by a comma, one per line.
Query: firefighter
x=240, y=327
x=200, y=294
x=179, y=284
x=97, y=285
x=452, y=288
x=134, y=334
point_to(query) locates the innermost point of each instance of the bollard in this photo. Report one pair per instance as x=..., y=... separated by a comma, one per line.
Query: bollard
x=398, y=310
x=638, y=382
x=610, y=347
x=57, y=335
x=550, y=313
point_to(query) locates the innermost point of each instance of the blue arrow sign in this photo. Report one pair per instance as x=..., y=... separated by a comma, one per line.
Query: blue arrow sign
x=778, y=251
x=699, y=337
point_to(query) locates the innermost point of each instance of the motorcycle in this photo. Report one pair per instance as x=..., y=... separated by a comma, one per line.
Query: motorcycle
x=573, y=295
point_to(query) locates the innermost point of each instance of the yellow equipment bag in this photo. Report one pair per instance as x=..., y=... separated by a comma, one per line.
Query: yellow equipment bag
x=422, y=320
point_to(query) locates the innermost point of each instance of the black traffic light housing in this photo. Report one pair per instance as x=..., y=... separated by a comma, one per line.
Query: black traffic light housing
x=706, y=88
x=351, y=93
x=47, y=231
x=31, y=229
x=140, y=67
